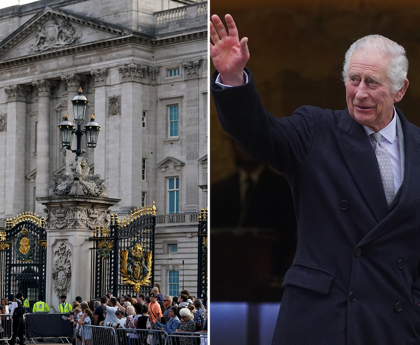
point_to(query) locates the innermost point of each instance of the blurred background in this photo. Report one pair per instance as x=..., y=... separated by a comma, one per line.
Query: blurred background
x=297, y=49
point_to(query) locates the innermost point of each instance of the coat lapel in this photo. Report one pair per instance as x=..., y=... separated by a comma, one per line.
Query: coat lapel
x=361, y=160
x=410, y=188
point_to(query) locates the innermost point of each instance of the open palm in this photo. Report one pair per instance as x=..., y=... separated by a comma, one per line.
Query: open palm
x=229, y=55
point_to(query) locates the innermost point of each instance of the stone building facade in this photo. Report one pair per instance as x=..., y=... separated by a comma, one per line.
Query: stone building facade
x=142, y=65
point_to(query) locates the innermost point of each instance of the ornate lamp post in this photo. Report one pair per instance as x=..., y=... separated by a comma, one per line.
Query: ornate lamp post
x=67, y=129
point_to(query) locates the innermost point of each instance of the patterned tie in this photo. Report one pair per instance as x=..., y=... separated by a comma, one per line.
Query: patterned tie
x=385, y=167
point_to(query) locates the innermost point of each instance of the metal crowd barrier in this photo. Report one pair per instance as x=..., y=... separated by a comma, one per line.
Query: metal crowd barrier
x=135, y=336
x=188, y=338
x=6, y=329
x=99, y=335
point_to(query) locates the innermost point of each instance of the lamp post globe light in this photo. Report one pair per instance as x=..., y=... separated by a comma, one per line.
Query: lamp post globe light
x=67, y=129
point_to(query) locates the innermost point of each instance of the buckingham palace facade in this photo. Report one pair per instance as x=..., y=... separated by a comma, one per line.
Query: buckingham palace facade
x=142, y=65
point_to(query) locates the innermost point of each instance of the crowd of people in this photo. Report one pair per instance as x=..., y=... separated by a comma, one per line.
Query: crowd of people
x=183, y=313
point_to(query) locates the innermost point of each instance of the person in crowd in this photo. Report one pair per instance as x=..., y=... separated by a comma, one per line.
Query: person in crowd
x=96, y=303
x=167, y=304
x=122, y=320
x=159, y=297
x=40, y=306
x=175, y=301
x=184, y=301
x=199, y=314
x=142, y=320
x=140, y=298
x=187, y=325
x=79, y=299
x=110, y=308
x=87, y=331
x=127, y=304
x=26, y=303
x=130, y=314
x=159, y=292
x=83, y=306
x=18, y=322
x=75, y=305
x=5, y=306
x=172, y=324
x=155, y=312
x=99, y=311
x=12, y=304
x=191, y=308
x=64, y=307
x=131, y=322
x=147, y=301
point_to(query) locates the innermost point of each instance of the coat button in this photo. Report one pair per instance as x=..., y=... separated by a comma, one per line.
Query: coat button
x=358, y=252
x=352, y=296
x=400, y=264
x=398, y=306
x=344, y=205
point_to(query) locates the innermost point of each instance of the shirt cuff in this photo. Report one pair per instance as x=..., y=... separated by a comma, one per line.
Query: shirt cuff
x=223, y=86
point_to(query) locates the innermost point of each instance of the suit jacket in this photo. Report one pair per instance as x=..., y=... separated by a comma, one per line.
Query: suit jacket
x=354, y=279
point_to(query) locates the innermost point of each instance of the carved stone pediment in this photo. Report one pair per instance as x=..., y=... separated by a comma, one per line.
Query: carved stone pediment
x=53, y=29
x=170, y=163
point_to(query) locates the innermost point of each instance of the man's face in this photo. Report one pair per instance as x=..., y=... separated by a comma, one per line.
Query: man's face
x=63, y=300
x=167, y=302
x=370, y=100
x=152, y=299
x=139, y=299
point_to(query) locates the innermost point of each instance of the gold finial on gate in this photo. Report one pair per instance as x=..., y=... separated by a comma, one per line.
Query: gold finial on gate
x=154, y=208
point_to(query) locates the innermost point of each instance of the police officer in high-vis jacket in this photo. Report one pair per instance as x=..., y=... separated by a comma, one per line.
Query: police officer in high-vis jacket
x=64, y=307
x=41, y=306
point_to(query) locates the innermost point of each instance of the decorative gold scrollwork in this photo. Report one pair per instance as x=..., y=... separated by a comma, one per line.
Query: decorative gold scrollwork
x=105, y=248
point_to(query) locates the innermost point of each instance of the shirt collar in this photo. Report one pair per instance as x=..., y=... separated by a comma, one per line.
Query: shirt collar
x=389, y=132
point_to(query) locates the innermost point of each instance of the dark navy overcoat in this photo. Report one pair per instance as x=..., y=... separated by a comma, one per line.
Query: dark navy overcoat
x=355, y=277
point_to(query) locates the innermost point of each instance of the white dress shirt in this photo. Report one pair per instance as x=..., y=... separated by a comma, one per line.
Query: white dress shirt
x=389, y=138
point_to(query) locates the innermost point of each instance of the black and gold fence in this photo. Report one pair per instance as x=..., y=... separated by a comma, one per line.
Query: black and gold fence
x=123, y=254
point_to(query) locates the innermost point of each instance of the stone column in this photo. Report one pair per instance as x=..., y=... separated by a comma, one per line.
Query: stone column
x=15, y=149
x=70, y=221
x=43, y=145
x=192, y=135
x=100, y=117
x=131, y=134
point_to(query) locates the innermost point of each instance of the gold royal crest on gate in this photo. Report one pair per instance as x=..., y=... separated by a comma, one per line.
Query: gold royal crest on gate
x=25, y=246
x=136, y=266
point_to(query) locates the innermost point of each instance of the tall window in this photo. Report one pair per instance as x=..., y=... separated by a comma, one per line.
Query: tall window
x=173, y=280
x=173, y=72
x=173, y=120
x=143, y=169
x=144, y=118
x=173, y=195
x=143, y=199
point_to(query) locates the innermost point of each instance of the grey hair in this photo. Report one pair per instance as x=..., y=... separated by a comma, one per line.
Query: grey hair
x=398, y=66
x=185, y=312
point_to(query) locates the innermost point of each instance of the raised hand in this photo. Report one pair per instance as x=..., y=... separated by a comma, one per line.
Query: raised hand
x=229, y=55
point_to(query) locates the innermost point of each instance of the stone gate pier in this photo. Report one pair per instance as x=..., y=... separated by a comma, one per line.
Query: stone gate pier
x=76, y=205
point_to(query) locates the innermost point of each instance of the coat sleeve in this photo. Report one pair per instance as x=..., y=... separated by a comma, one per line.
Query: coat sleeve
x=280, y=142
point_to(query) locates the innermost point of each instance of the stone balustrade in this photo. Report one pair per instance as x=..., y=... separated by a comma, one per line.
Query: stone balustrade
x=191, y=16
x=177, y=218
